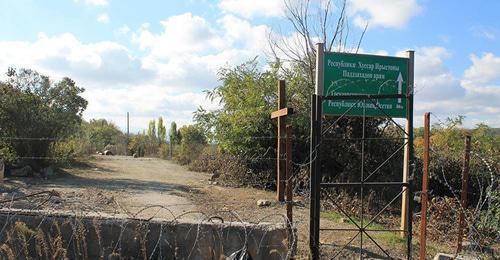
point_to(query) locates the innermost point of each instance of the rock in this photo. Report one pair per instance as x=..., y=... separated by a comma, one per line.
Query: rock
x=209, y=182
x=23, y=172
x=263, y=203
x=215, y=183
x=48, y=172
x=442, y=256
x=344, y=220
x=474, y=247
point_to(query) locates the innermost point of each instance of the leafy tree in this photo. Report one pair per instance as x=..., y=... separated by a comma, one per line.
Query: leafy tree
x=102, y=133
x=193, y=141
x=137, y=144
x=152, y=145
x=162, y=131
x=247, y=97
x=34, y=107
x=174, y=134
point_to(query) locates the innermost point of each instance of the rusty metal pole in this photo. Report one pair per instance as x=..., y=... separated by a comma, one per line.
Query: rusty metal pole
x=2, y=170
x=289, y=186
x=289, y=172
x=425, y=184
x=463, y=196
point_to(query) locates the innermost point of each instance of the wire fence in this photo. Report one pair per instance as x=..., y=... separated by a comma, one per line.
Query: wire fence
x=84, y=230
x=256, y=168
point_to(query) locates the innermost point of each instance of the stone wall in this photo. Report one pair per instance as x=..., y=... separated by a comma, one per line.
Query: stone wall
x=40, y=235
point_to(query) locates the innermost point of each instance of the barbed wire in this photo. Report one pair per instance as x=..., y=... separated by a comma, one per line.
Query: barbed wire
x=78, y=213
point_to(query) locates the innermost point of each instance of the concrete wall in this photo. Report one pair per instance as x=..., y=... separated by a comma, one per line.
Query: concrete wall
x=98, y=237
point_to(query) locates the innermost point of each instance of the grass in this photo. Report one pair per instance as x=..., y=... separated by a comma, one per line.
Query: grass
x=389, y=237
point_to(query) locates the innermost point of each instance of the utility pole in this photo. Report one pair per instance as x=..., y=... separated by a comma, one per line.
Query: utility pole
x=128, y=134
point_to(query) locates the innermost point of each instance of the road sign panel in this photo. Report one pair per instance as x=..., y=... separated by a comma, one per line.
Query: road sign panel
x=360, y=74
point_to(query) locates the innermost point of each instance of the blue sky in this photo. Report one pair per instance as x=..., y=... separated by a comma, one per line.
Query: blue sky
x=156, y=57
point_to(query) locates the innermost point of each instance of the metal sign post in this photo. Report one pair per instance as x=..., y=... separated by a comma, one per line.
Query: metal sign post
x=348, y=74
x=408, y=157
x=365, y=86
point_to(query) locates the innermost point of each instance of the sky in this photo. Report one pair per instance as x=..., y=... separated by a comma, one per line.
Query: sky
x=156, y=57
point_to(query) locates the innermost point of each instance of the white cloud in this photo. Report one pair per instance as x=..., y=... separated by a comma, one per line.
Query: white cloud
x=484, y=70
x=123, y=30
x=434, y=81
x=100, y=64
x=144, y=103
x=165, y=78
x=239, y=31
x=185, y=33
x=102, y=18
x=486, y=33
x=95, y=2
x=383, y=13
x=474, y=95
x=189, y=44
x=253, y=8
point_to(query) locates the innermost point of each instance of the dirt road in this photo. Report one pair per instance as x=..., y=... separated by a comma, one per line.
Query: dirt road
x=146, y=187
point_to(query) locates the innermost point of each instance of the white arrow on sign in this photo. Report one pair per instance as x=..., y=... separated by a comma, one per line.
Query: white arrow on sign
x=400, y=86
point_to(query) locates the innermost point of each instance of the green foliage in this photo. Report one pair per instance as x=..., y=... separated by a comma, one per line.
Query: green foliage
x=162, y=131
x=193, y=141
x=32, y=106
x=164, y=151
x=446, y=163
x=248, y=97
x=138, y=144
x=174, y=135
x=102, y=133
x=243, y=127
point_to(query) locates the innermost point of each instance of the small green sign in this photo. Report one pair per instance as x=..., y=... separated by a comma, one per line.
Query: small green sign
x=355, y=74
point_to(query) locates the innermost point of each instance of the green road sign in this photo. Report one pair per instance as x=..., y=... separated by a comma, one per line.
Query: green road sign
x=355, y=74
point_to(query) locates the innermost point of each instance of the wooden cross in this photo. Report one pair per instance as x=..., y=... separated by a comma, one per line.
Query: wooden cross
x=281, y=114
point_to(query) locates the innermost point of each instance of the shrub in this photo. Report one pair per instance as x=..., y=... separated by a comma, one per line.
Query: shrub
x=192, y=143
x=234, y=170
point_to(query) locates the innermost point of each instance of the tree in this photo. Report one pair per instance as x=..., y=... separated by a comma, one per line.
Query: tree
x=247, y=97
x=192, y=143
x=162, y=131
x=102, y=133
x=313, y=22
x=174, y=134
x=152, y=138
x=31, y=106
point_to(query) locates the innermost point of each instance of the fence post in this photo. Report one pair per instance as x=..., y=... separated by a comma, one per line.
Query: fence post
x=2, y=170
x=289, y=188
x=463, y=196
x=425, y=183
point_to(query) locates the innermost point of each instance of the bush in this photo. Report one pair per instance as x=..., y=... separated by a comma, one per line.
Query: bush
x=234, y=170
x=192, y=143
x=31, y=106
x=164, y=151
